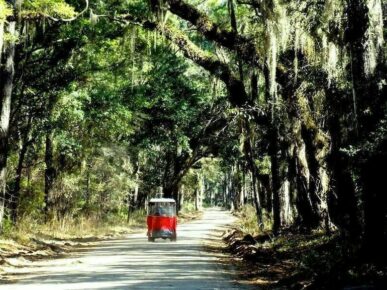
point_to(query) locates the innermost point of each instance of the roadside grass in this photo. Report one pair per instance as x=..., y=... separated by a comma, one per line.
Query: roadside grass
x=33, y=239
x=248, y=223
x=74, y=228
x=33, y=235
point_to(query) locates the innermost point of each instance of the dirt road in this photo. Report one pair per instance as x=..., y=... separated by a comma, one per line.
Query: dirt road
x=134, y=263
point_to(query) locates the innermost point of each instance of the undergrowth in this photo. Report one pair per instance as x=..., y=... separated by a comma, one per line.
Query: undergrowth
x=296, y=260
x=248, y=223
x=72, y=228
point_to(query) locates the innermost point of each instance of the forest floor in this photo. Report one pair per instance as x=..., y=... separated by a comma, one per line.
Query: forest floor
x=300, y=261
x=20, y=247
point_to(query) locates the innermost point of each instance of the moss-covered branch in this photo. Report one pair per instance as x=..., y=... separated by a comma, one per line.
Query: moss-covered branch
x=235, y=87
x=230, y=39
x=237, y=93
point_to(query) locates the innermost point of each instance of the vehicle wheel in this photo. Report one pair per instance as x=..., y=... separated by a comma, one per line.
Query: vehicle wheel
x=150, y=239
x=174, y=239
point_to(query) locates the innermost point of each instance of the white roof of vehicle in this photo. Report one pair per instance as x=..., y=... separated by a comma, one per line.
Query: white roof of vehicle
x=162, y=200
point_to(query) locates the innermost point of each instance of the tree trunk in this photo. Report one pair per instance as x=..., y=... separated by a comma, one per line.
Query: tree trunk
x=343, y=201
x=307, y=215
x=237, y=187
x=369, y=103
x=228, y=189
x=243, y=194
x=181, y=196
x=275, y=179
x=265, y=192
x=7, y=73
x=287, y=200
x=172, y=191
x=1, y=38
x=257, y=203
x=133, y=196
x=316, y=152
x=196, y=196
x=15, y=192
x=199, y=192
x=88, y=193
x=249, y=154
x=201, y=195
x=135, y=192
x=50, y=173
x=306, y=164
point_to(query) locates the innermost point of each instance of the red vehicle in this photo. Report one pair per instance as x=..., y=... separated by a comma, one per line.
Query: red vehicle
x=161, y=219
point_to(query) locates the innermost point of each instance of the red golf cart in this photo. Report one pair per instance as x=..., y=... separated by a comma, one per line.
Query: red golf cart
x=161, y=219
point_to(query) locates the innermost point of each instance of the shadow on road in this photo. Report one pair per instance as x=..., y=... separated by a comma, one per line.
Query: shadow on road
x=134, y=263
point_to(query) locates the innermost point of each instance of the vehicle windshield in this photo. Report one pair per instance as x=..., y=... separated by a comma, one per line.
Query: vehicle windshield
x=162, y=209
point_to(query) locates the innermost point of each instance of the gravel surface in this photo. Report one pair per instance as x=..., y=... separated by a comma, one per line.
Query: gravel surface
x=135, y=263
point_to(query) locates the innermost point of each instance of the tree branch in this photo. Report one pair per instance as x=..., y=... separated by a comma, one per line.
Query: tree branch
x=230, y=39
x=237, y=93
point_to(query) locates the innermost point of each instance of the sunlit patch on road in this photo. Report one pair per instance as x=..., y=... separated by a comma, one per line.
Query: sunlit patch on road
x=134, y=263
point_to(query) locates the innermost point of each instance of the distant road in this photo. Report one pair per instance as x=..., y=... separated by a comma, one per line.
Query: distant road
x=135, y=263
